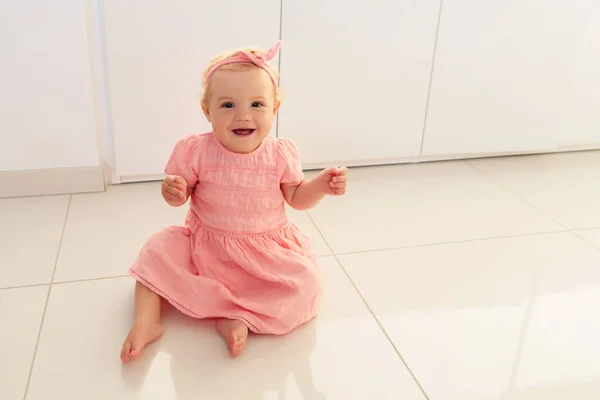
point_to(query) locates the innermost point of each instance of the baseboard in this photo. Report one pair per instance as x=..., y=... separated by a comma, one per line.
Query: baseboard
x=448, y=157
x=388, y=161
x=43, y=182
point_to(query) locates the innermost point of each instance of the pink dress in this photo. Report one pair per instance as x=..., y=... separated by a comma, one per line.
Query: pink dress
x=238, y=256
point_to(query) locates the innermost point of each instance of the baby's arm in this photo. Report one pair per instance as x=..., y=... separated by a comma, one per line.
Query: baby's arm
x=309, y=193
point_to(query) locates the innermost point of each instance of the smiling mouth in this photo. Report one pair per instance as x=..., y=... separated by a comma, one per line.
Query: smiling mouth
x=243, y=132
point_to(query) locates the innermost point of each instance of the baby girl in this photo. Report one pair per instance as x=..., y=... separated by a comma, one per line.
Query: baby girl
x=238, y=259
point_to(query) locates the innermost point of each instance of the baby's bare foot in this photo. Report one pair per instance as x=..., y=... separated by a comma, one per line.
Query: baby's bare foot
x=235, y=335
x=142, y=333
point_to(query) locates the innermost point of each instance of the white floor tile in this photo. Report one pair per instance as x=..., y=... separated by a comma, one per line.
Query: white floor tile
x=501, y=319
x=305, y=224
x=564, y=186
x=105, y=231
x=30, y=231
x=409, y=205
x=591, y=235
x=341, y=355
x=20, y=315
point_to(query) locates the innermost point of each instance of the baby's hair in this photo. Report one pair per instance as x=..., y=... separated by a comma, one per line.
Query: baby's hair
x=236, y=67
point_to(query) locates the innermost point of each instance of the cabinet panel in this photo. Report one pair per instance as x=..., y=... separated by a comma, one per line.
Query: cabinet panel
x=580, y=124
x=355, y=77
x=156, y=52
x=46, y=104
x=513, y=76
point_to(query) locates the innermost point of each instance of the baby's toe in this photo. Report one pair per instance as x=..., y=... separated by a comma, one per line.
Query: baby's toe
x=237, y=345
x=125, y=355
x=135, y=352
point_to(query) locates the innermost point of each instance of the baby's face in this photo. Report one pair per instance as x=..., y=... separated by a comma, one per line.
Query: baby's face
x=241, y=108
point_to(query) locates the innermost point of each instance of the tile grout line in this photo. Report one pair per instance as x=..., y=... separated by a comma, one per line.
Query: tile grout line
x=593, y=228
x=516, y=195
x=24, y=286
x=37, y=342
x=65, y=282
x=387, y=336
x=103, y=278
x=566, y=229
x=369, y=308
x=584, y=239
x=525, y=324
x=416, y=246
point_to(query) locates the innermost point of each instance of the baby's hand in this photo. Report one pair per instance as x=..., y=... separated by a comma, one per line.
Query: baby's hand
x=334, y=180
x=174, y=190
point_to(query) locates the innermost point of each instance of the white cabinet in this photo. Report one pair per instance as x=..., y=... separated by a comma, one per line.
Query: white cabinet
x=514, y=76
x=355, y=77
x=156, y=52
x=508, y=76
x=580, y=121
x=46, y=105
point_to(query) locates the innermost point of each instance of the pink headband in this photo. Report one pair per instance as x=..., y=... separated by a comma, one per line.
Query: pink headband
x=260, y=60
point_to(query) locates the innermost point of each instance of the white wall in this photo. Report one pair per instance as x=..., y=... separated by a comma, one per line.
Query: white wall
x=46, y=106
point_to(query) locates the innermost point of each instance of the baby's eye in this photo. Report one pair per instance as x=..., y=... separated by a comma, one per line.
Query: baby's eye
x=227, y=105
x=257, y=104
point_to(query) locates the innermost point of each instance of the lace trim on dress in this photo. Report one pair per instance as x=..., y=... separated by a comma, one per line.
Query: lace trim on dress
x=185, y=309
x=268, y=170
x=221, y=189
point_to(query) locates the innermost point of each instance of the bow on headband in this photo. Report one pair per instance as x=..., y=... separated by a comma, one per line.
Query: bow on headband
x=260, y=60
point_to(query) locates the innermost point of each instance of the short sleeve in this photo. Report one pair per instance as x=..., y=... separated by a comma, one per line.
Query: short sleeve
x=290, y=166
x=185, y=159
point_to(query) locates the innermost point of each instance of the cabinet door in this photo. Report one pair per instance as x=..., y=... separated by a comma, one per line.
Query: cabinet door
x=355, y=77
x=156, y=52
x=580, y=121
x=509, y=76
x=46, y=105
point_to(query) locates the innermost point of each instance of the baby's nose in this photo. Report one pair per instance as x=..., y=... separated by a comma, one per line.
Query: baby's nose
x=243, y=116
